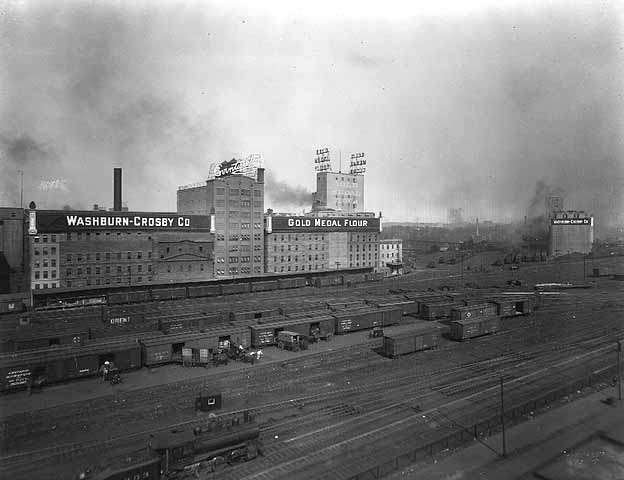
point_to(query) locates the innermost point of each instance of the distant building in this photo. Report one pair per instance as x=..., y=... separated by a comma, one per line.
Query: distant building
x=570, y=232
x=391, y=256
x=237, y=203
x=13, y=250
x=343, y=192
x=554, y=203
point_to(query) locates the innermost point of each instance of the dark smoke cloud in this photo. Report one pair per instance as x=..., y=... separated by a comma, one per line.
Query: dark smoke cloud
x=282, y=194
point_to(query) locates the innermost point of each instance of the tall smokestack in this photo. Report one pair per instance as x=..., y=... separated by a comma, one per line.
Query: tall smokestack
x=260, y=175
x=117, y=190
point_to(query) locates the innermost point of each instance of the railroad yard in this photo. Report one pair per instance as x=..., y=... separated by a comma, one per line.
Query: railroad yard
x=341, y=409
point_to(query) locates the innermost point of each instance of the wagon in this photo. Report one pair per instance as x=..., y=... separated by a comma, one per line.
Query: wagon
x=291, y=341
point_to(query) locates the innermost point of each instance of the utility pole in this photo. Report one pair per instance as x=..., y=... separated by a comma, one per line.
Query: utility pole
x=21, y=172
x=503, y=418
x=619, y=373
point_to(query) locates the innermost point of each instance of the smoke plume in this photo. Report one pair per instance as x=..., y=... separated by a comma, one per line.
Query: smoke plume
x=282, y=194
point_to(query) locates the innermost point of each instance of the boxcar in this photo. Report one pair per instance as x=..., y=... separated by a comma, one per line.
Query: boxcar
x=29, y=338
x=436, y=310
x=464, y=329
x=411, y=338
x=319, y=282
x=58, y=364
x=204, y=291
x=133, y=330
x=172, y=293
x=296, y=282
x=407, y=307
x=233, y=288
x=265, y=286
x=390, y=316
x=420, y=299
x=128, y=297
x=487, y=309
x=357, y=319
x=512, y=306
x=254, y=314
x=11, y=306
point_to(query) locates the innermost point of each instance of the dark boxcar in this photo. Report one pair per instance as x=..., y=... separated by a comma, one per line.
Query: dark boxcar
x=204, y=291
x=11, y=306
x=421, y=298
x=410, y=338
x=233, y=288
x=357, y=319
x=257, y=313
x=168, y=293
x=156, y=351
x=408, y=307
x=390, y=315
x=143, y=465
x=128, y=297
x=464, y=329
x=33, y=338
x=131, y=330
x=434, y=311
x=513, y=305
x=264, y=286
x=474, y=311
x=327, y=281
x=344, y=304
x=303, y=307
x=295, y=282
x=262, y=335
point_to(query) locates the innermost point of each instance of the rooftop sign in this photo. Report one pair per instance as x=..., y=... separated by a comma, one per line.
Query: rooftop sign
x=571, y=221
x=68, y=221
x=246, y=166
x=325, y=224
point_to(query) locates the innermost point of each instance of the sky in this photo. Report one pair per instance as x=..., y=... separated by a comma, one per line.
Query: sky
x=476, y=105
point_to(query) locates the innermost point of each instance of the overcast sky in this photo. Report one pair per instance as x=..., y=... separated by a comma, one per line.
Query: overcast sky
x=453, y=105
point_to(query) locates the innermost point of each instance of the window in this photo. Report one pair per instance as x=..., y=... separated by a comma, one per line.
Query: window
x=130, y=254
x=45, y=263
x=257, y=193
x=107, y=255
x=245, y=226
x=140, y=268
x=36, y=239
x=108, y=269
x=53, y=250
x=88, y=257
x=45, y=239
x=37, y=251
x=53, y=273
x=69, y=237
x=97, y=257
x=221, y=191
x=88, y=270
x=149, y=268
x=118, y=255
x=37, y=275
x=45, y=251
x=233, y=191
x=97, y=270
x=245, y=193
x=45, y=274
x=233, y=259
x=118, y=268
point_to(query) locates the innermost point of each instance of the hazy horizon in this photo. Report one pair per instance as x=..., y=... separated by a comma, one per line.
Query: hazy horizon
x=483, y=107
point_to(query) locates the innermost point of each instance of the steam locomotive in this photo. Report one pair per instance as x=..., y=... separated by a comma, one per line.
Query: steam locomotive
x=176, y=454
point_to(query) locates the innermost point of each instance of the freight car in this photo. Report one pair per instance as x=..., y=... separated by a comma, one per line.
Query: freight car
x=297, y=282
x=411, y=338
x=477, y=310
x=264, y=286
x=173, y=293
x=474, y=327
x=364, y=318
x=437, y=310
x=206, y=448
x=512, y=305
x=57, y=364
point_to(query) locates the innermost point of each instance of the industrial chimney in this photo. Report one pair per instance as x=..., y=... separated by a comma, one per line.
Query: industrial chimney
x=117, y=190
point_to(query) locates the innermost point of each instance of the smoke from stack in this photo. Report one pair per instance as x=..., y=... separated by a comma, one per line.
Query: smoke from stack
x=281, y=193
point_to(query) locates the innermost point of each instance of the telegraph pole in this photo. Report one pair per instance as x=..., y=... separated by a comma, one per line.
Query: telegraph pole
x=619, y=373
x=503, y=418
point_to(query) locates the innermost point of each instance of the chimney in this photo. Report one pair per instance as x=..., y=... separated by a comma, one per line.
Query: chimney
x=261, y=175
x=117, y=190
x=95, y=207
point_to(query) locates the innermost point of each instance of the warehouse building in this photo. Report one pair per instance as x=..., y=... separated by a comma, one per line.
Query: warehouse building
x=391, y=256
x=13, y=251
x=82, y=249
x=308, y=243
x=235, y=196
x=570, y=232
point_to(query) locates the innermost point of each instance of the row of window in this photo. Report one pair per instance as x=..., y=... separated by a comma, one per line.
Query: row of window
x=107, y=270
x=45, y=251
x=44, y=239
x=288, y=258
x=45, y=262
x=297, y=247
x=98, y=256
x=295, y=268
x=243, y=259
x=244, y=248
x=87, y=235
x=45, y=285
x=244, y=192
x=243, y=271
x=245, y=226
x=290, y=237
x=44, y=274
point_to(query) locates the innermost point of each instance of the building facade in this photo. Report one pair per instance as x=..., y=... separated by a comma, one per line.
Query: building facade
x=570, y=232
x=343, y=192
x=391, y=256
x=307, y=243
x=13, y=250
x=86, y=249
x=237, y=203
